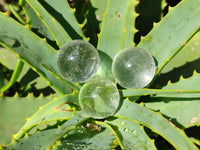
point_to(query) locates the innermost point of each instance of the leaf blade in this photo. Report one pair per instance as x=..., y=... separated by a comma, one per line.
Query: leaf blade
x=183, y=22
x=131, y=135
x=28, y=43
x=112, y=36
x=154, y=121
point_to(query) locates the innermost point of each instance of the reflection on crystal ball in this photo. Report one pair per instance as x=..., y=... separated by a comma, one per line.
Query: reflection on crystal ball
x=133, y=68
x=78, y=61
x=99, y=98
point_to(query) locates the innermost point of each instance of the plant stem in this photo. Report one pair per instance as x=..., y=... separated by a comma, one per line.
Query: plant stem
x=10, y=6
x=14, y=76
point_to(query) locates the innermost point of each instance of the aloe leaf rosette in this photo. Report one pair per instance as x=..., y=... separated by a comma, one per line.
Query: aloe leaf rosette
x=104, y=102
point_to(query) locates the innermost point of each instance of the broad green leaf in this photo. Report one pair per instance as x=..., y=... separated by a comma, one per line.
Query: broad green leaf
x=84, y=138
x=58, y=33
x=113, y=31
x=169, y=36
x=14, y=111
x=63, y=27
x=131, y=135
x=35, y=22
x=29, y=80
x=181, y=109
x=43, y=56
x=183, y=64
x=130, y=25
x=67, y=20
x=79, y=137
x=32, y=142
x=51, y=111
x=139, y=114
x=8, y=59
x=64, y=129
x=189, y=54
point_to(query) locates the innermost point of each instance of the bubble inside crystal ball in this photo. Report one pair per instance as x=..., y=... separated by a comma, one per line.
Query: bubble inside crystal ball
x=133, y=68
x=99, y=98
x=78, y=61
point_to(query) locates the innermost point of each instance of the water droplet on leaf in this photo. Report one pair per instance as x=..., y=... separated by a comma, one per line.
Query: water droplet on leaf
x=123, y=124
x=78, y=61
x=126, y=130
x=134, y=132
x=133, y=68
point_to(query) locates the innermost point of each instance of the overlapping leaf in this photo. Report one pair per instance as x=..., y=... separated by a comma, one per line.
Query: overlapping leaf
x=169, y=36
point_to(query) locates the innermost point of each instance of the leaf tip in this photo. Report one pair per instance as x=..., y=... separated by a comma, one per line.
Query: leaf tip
x=28, y=26
x=44, y=39
x=181, y=77
x=195, y=72
x=6, y=13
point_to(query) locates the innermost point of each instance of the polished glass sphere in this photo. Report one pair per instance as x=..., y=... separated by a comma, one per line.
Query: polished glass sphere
x=99, y=98
x=133, y=68
x=78, y=61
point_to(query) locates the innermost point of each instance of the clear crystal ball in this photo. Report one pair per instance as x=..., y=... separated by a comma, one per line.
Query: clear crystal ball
x=99, y=98
x=133, y=68
x=78, y=61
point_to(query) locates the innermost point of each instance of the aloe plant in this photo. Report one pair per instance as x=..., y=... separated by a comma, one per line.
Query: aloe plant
x=159, y=116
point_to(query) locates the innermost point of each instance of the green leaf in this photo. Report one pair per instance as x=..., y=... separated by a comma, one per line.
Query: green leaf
x=14, y=76
x=14, y=111
x=181, y=109
x=83, y=138
x=189, y=54
x=131, y=135
x=169, y=36
x=27, y=43
x=8, y=59
x=54, y=110
x=155, y=122
x=32, y=142
x=63, y=27
x=64, y=129
x=113, y=33
x=58, y=33
x=130, y=25
x=28, y=79
x=35, y=23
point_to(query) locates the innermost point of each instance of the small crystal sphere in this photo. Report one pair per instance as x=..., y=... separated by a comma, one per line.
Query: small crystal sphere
x=78, y=61
x=133, y=68
x=99, y=98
